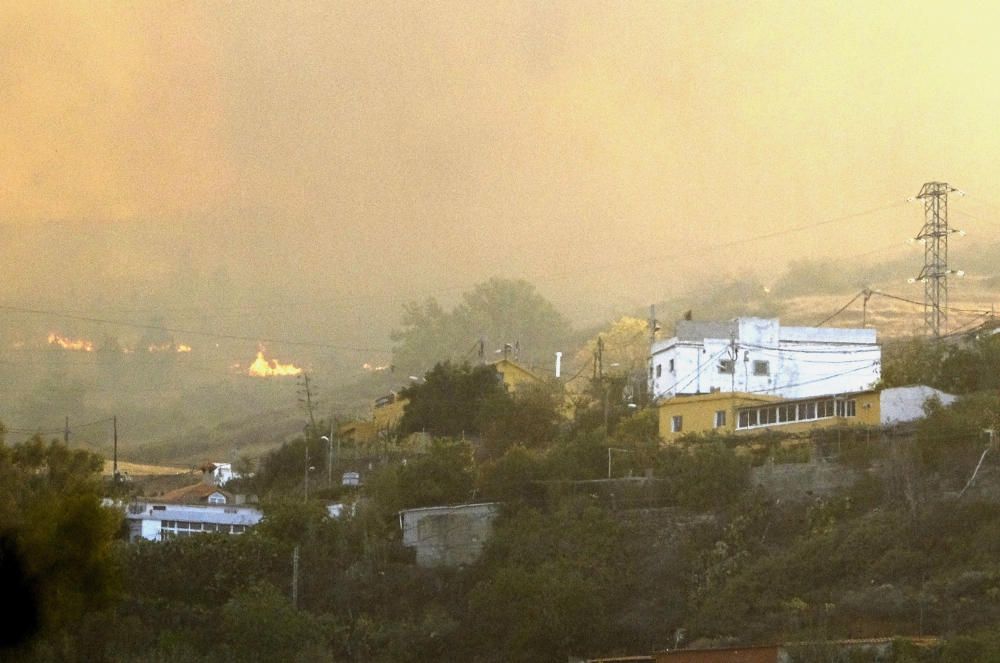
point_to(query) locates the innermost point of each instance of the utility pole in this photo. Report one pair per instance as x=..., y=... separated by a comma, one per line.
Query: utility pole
x=308, y=402
x=114, y=463
x=600, y=357
x=329, y=457
x=66, y=433
x=935, y=272
x=306, y=482
x=864, y=307
x=295, y=576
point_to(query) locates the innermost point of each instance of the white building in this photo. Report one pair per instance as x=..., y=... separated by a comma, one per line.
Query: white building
x=157, y=521
x=759, y=356
x=219, y=473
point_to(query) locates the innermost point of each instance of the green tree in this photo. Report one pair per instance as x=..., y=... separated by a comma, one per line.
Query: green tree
x=548, y=583
x=262, y=625
x=498, y=311
x=56, y=531
x=513, y=476
x=448, y=402
x=530, y=418
x=444, y=475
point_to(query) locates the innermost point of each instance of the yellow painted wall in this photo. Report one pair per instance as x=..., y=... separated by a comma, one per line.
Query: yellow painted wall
x=698, y=413
x=389, y=415
x=514, y=375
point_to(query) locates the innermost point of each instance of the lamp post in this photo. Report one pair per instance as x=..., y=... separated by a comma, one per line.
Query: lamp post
x=329, y=457
x=610, y=449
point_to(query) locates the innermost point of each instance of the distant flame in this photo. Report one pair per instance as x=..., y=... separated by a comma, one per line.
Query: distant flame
x=375, y=369
x=71, y=343
x=169, y=347
x=261, y=368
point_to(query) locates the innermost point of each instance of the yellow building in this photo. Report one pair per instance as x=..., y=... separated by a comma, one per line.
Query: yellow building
x=514, y=375
x=386, y=413
x=755, y=413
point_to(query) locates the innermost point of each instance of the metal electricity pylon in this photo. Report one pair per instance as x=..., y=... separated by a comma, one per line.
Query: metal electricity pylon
x=934, y=275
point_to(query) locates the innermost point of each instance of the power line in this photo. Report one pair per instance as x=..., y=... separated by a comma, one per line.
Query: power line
x=841, y=309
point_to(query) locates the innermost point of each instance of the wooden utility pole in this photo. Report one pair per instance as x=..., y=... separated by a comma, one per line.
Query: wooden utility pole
x=114, y=463
x=295, y=576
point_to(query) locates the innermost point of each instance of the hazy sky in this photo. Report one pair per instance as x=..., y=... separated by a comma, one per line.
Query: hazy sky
x=365, y=152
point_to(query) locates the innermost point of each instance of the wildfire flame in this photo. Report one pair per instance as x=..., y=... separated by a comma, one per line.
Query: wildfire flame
x=169, y=347
x=71, y=343
x=261, y=368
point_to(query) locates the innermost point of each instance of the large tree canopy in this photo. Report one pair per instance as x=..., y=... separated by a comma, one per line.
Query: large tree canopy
x=55, y=537
x=448, y=402
x=499, y=311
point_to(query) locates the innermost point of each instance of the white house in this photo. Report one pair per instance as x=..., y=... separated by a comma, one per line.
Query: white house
x=759, y=356
x=219, y=473
x=157, y=521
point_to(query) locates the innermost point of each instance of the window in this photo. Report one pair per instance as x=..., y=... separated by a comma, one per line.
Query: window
x=824, y=409
x=659, y=370
x=720, y=418
x=671, y=365
x=727, y=366
x=761, y=367
x=676, y=423
x=745, y=418
x=846, y=409
x=216, y=498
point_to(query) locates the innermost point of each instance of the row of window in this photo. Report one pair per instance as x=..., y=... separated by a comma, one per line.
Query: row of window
x=185, y=528
x=659, y=369
x=726, y=367
x=768, y=415
x=760, y=367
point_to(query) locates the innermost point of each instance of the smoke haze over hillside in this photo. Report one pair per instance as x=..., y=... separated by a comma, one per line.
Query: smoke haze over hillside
x=300, y=170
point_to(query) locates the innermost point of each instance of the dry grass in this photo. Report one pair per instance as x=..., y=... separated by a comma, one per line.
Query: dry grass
x=138, y=469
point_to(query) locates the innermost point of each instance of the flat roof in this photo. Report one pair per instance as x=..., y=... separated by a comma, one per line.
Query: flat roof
x=221, y=514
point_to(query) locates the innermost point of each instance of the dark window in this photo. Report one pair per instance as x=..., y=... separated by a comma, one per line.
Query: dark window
x=726, y=366
x=720, y=418
x=761, y=367
x=677, y=424
x=659, y=370
x=671, y=365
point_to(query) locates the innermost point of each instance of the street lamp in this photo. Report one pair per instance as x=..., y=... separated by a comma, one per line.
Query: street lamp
x=329, y=457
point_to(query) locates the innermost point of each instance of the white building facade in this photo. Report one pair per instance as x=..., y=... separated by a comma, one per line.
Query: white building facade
x=759, y=356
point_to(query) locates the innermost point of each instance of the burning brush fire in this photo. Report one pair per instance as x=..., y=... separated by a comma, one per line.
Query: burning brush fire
x=262, y=369
x=71, y=343
x=169, y=347
x=84, y=345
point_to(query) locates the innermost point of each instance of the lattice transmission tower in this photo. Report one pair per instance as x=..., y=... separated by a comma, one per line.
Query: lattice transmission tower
x=934, y=275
